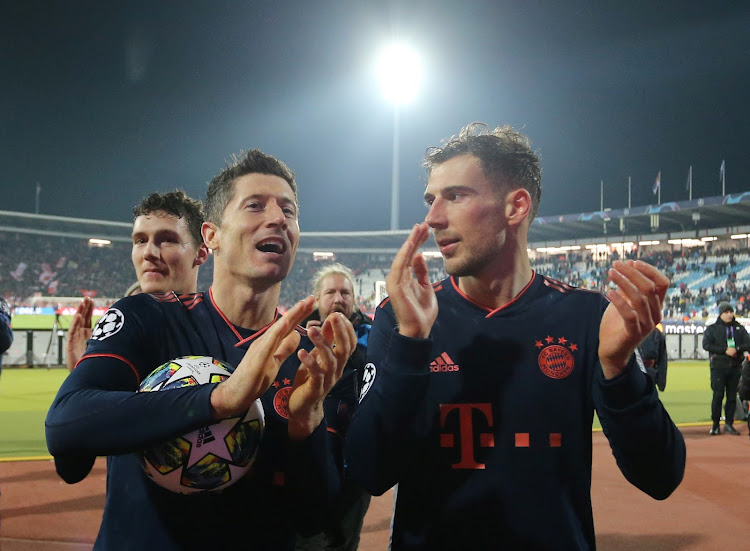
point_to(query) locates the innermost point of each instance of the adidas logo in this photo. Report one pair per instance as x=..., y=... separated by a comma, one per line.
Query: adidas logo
x=443, y=363
x=204, y=436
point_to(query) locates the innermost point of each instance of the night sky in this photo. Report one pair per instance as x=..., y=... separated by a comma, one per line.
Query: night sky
x=103, y=105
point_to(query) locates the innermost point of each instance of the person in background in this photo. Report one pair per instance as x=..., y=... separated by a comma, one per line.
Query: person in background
x=480, y=390
x=167, y=252
x=333, y=289
x=726, y=341
x=6, y=333
x=743, y=389
x=653, y=352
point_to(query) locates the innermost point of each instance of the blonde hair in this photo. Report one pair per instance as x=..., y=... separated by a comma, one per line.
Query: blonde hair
x=328, y=270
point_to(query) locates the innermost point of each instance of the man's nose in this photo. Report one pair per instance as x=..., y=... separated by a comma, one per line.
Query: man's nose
x=275, y=214
x=152, y=250
x=435, y=217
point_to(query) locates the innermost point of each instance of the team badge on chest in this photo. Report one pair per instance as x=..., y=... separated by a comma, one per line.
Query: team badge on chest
x=556, y=356
x=281, y=396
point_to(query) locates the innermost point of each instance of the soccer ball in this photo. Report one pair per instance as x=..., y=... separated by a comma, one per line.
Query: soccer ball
x=212, y=457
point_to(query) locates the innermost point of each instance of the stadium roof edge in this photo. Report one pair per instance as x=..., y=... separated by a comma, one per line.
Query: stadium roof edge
x=720, y=215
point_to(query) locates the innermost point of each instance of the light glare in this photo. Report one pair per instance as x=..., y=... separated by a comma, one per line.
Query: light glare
x=400, y=73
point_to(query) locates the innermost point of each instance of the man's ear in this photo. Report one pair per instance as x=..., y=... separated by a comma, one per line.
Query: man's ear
x=517, y=206
x=209, y=232
x=201, y=255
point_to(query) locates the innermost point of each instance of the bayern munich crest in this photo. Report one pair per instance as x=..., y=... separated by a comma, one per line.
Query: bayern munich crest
x=281, y=397
x=556, y=356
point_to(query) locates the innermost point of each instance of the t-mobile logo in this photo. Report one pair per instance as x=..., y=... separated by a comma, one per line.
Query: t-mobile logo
x=466, y=431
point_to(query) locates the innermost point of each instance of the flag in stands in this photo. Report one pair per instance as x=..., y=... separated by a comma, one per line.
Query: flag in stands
x=689, y=182
x=657, y=183
x=722, y=169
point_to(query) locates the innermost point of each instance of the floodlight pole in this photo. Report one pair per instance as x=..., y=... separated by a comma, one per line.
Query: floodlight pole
x=394, y=174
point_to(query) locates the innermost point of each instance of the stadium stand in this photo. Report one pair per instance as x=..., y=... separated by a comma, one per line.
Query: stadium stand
x=702, y=245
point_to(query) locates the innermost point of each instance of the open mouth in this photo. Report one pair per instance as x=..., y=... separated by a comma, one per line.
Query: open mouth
x=271, y=246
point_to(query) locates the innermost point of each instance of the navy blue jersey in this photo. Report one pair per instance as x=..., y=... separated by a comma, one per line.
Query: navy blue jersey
x=486, y=426
x=6, y=333
x=97, y=411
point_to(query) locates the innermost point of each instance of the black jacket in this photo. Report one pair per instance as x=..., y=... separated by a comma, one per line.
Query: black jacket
x=653, y=351
x=6, y=333
x=743, y=390
x=341, y=402
x=715, y=342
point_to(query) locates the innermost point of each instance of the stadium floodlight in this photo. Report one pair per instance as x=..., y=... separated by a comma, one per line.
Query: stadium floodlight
x=400, y=73
x=94, y=242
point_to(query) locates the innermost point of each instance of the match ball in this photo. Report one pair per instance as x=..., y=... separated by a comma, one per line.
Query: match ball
x=210, y=458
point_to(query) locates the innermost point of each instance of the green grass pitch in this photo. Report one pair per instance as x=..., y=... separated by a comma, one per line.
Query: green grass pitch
x=26, y=394
x=42, y=321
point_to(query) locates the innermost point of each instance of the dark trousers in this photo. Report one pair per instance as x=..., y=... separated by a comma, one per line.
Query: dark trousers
x=345, y=525
x=724, y=382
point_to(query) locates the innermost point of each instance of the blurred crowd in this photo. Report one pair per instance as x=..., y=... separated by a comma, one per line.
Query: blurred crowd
x=44, y=266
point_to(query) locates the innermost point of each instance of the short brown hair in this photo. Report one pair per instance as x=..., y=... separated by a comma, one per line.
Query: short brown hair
x=221, y=188
x=179, y=204
x=505, y=155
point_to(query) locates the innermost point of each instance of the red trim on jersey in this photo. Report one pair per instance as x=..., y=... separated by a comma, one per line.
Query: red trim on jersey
x=165, y=297
x=557, y=285
x=490, y=312
x=193, y=300
x=258, y=333
x=116, y=357
x=226, y=320
x=240, y=340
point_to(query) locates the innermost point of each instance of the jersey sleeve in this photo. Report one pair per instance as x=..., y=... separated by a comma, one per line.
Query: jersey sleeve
x=648, y=448
x=382, y=434
x=743, y=343
x=98, y=411
x=6, y=333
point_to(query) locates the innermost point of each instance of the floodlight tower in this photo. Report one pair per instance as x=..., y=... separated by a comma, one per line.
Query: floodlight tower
x=399, y=70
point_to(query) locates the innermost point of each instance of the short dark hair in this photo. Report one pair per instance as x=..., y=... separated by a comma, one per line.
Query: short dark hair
x=221, y=188
x=505, y=155
x=179, y=204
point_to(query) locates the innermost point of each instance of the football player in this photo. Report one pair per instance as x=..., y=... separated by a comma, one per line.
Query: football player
x=167, y=251
x=481, y=389
x=252, y=229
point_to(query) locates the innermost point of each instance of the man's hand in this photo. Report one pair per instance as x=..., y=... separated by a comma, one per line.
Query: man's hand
x=78, y=333
x=634, y=311
x=313, y=323
x=412, y=295
x=731, y=351
x=261, y=363
x=321, y=368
